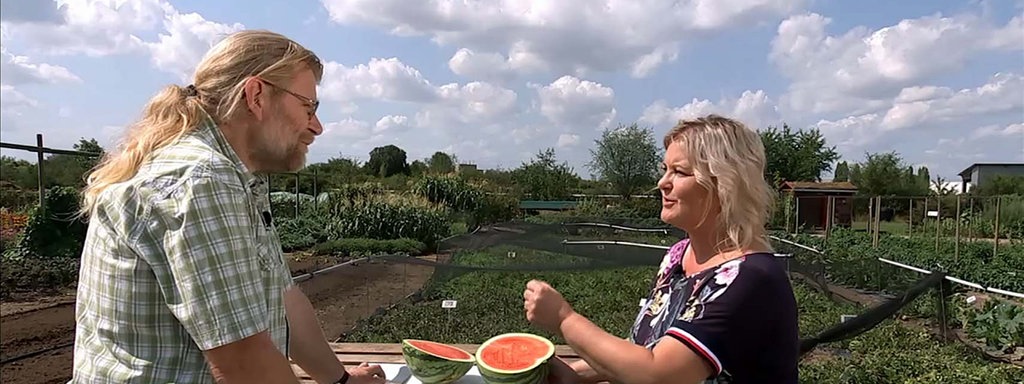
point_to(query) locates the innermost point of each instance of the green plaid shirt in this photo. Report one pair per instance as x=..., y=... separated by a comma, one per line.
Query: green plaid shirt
x=178, y=260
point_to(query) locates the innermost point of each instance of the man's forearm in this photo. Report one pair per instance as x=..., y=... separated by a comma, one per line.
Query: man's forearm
x=307, y=346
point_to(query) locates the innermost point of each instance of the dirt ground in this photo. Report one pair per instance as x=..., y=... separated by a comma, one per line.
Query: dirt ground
x=341, y=297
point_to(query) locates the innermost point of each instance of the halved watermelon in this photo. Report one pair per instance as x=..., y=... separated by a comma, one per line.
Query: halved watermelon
x=514, y=358
x=435, y=363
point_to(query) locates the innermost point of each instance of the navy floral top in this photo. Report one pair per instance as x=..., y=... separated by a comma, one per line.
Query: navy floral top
x=742, y=319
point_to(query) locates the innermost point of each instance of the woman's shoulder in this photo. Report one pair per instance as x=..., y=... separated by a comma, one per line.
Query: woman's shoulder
x=758, y=273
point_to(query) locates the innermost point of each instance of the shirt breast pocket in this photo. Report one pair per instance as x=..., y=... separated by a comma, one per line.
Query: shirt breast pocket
x=270, y=259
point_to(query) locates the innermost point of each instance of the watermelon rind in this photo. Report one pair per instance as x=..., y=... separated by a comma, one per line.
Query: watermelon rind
x=533, y=374
x=432, y=369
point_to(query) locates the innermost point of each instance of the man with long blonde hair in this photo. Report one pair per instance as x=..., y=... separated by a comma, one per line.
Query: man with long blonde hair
x=182, y=277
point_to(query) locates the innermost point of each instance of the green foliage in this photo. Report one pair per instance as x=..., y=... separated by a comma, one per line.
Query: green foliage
x=356, y=247
x=842, y=172
x=451, y=191
x=998, y=323
x=36, y=275
x=886, y=174
x=490, y=303
x=627, y=158
x=887, y=353
x=496, y=208
x=495, y=299
x=544, y=178
x=796, y=156
x=52, y=231
x=852, y=260
x=387, y=161
x=1000, y=185
x=387, y=217
x=441, y=163
x=302, y=232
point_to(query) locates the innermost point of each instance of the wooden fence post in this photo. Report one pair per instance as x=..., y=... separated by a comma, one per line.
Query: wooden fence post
x=39, y=171
x=956, y=252
x=995, y=233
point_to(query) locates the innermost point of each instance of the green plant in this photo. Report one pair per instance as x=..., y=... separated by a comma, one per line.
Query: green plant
x=365, y=247
x=387, y=217
x=52, y=230
x=999, y=323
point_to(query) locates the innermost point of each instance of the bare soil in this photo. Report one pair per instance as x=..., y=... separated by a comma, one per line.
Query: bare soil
x=46, y=325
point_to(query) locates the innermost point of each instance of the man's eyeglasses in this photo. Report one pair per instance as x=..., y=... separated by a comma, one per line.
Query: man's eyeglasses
x=313, y=104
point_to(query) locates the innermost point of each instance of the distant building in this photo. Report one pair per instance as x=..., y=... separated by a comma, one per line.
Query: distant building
x=978, y=173
x=467, y=168
x=810, y=202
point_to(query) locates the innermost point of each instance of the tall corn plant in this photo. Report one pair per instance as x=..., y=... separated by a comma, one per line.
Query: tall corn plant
x=383, y=216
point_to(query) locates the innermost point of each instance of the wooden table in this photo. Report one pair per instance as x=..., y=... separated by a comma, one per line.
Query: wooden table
x=353, y=354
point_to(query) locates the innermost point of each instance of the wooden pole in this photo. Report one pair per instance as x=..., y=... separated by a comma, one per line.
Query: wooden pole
x=995, y=234
x=910, y=229
x=877, y=219
x=970, y=228
x=938, y=220
x=956, y=251
x=39, y=171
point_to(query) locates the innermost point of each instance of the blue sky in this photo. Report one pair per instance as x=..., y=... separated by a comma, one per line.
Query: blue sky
x=940, y=82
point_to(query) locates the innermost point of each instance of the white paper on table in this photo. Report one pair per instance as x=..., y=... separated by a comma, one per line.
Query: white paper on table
x=400, y=374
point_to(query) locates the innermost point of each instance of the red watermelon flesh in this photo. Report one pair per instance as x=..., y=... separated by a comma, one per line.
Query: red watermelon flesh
x=441, y=350
x=514, y=353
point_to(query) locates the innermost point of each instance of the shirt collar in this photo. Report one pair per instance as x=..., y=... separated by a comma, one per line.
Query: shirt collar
x=211, y=133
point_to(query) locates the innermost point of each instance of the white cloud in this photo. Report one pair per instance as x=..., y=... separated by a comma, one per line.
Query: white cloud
x=753, y=108
x=13, y=102
x=89, y=27
x=859, y=68
x=20, y=70
x=380, y=79
x=391, y=124
x=188, y=38
x=569, y=36
x=929, y=104
x=580, y=104
x=568, y=140
x=1013, y=131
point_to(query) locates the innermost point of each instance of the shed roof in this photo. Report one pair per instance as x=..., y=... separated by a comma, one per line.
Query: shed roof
x=827, y=186
x=966, y=173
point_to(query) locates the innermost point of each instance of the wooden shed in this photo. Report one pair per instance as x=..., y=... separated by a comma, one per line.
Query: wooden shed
x=811, y=202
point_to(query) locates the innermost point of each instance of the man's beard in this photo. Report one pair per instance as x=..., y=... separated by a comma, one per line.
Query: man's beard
x=276, y=154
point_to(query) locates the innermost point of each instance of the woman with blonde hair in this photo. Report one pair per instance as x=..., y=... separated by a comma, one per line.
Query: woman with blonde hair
x=182, y=275
x=721, y=309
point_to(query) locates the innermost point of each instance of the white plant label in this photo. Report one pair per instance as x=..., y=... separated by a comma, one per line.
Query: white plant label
x=448, y=304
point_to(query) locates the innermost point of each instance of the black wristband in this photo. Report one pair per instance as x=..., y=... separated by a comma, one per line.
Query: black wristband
x=343, y=379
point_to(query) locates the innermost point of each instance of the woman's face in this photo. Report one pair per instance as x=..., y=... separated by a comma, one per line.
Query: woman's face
x=683, y=200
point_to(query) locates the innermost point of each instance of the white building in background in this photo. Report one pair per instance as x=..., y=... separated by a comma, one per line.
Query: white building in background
x=978, y=173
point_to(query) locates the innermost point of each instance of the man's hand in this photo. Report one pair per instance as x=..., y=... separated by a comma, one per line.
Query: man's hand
x=367, y=374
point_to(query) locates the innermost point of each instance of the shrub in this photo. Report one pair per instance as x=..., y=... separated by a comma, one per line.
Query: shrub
x=365, y=247
x=52, y=230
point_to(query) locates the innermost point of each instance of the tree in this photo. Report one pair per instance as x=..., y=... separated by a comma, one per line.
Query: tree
x=72, y=170
x=796, y=156
x=387, y=161
x=544, y=178
x=627, y=158
x=885, y=174
x=441, y=162
x=842, y=172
